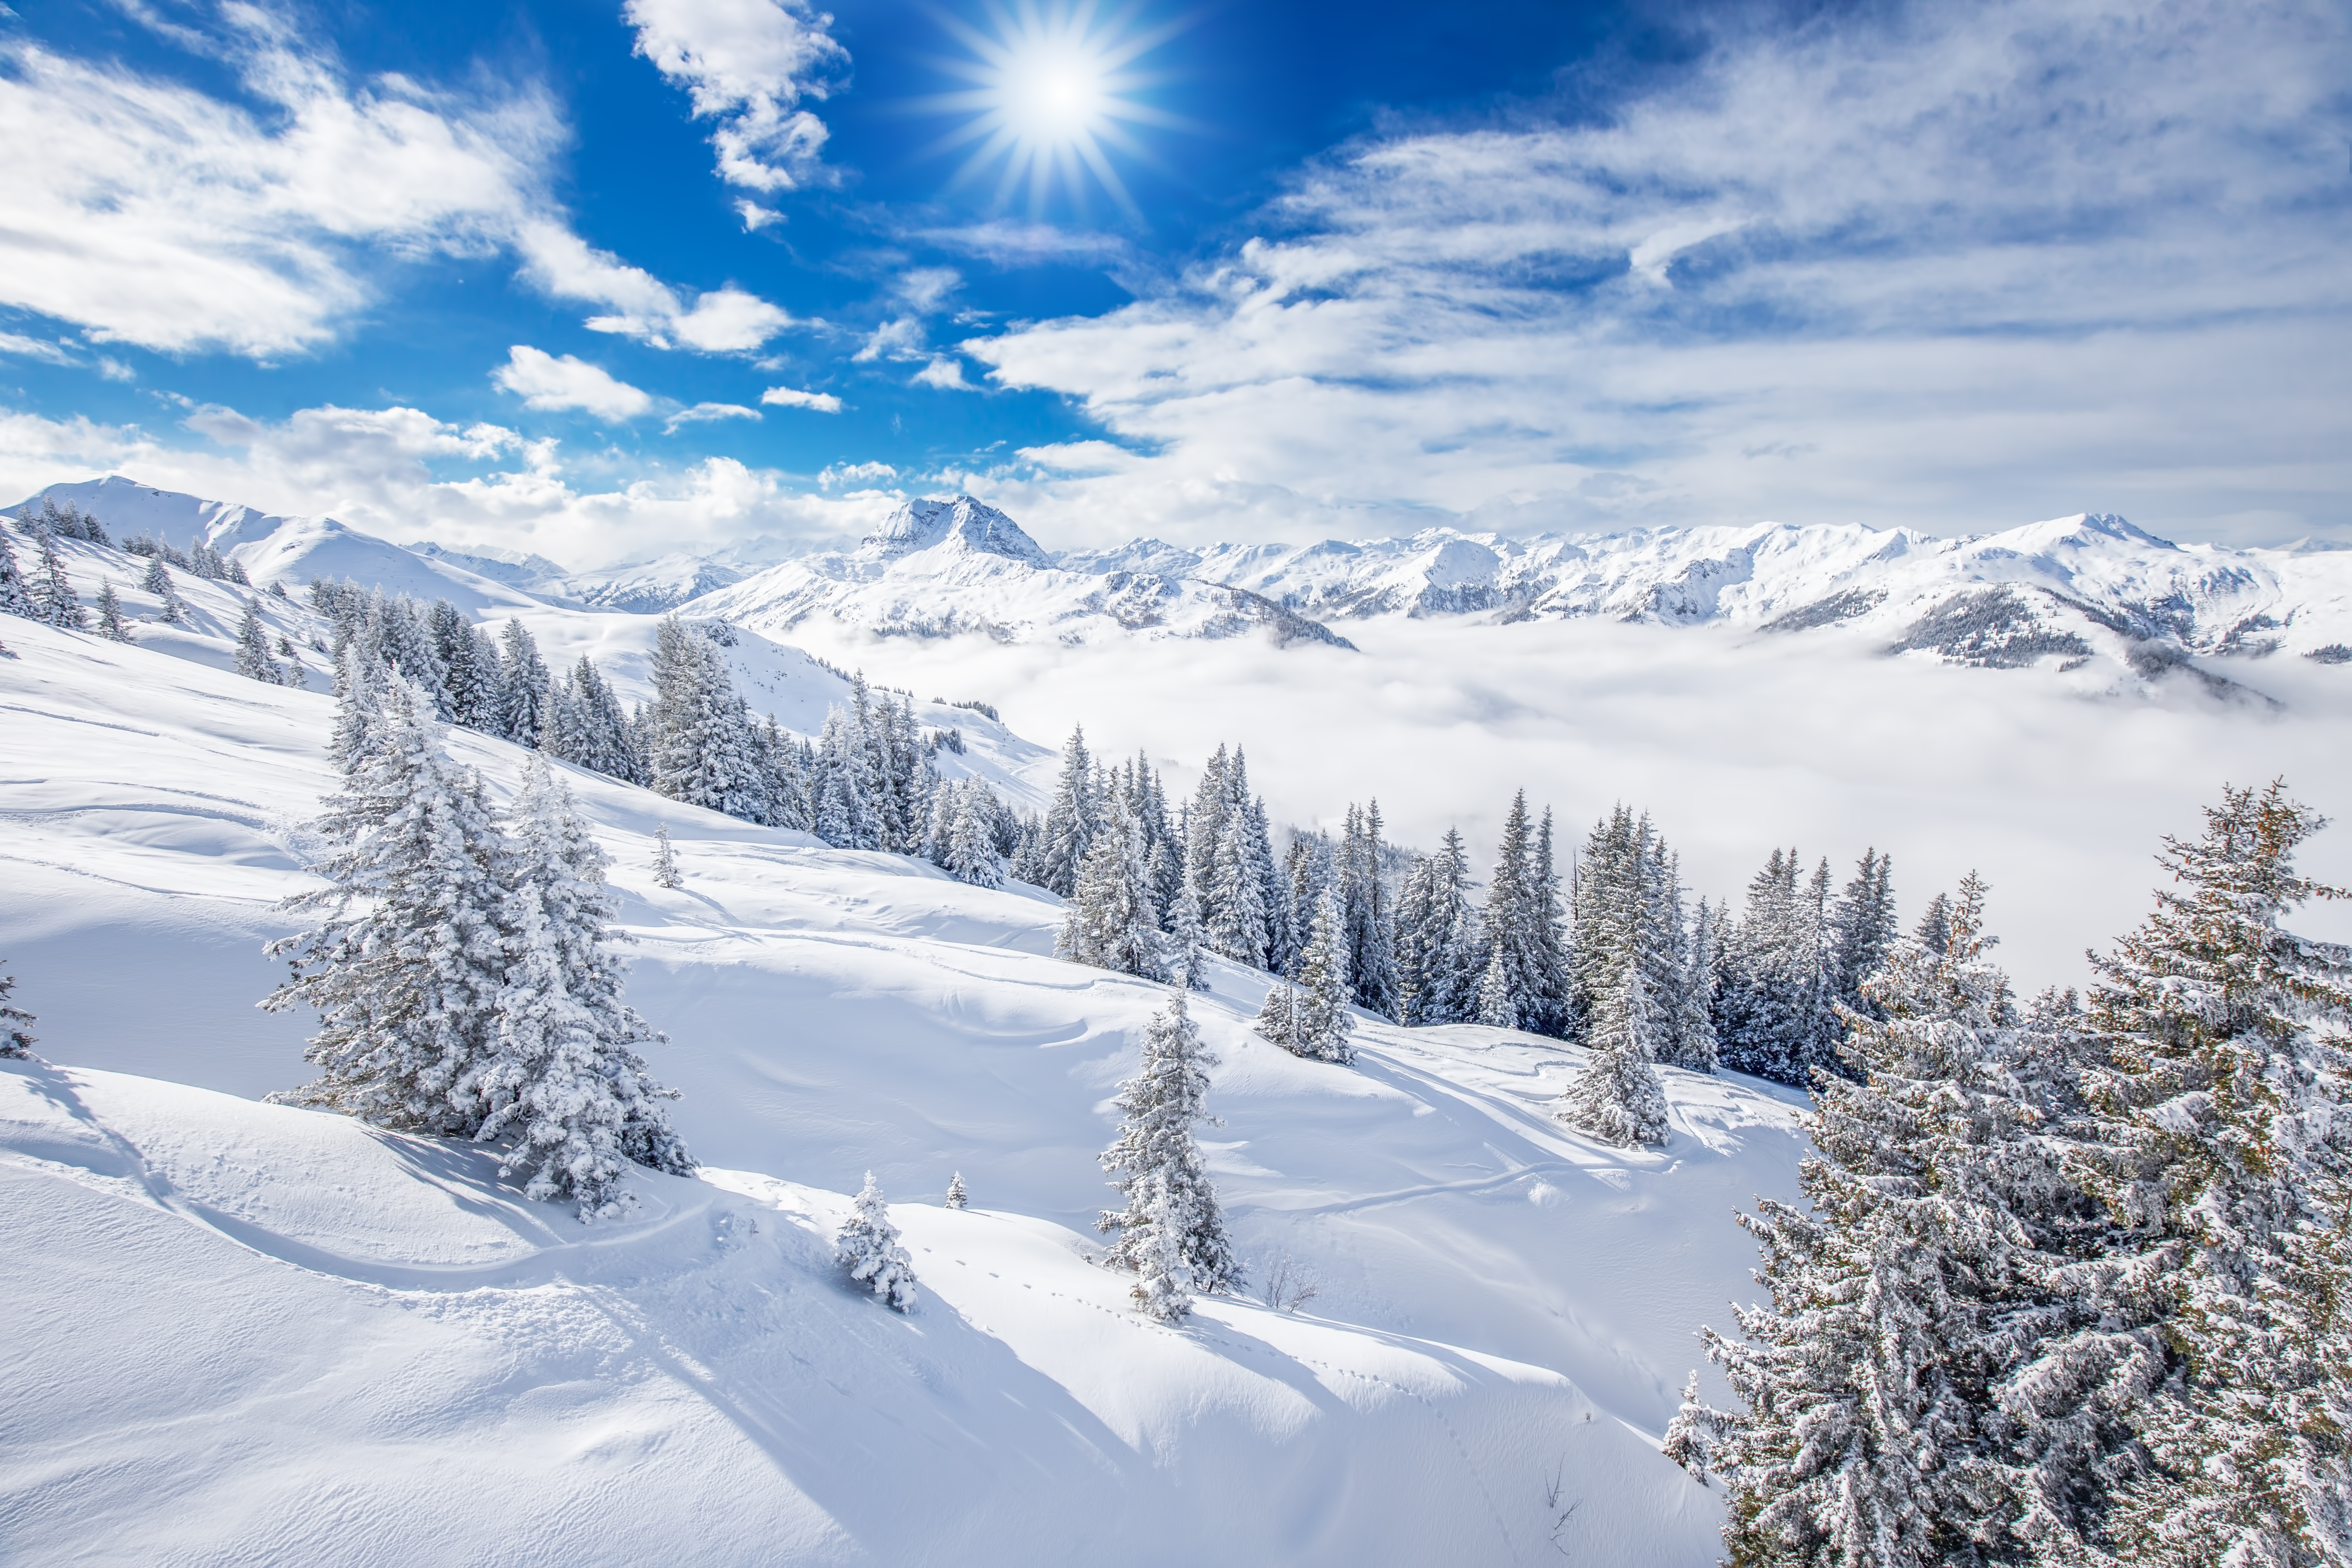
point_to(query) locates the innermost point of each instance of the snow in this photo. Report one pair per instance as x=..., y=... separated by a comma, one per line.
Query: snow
x=247, y=1332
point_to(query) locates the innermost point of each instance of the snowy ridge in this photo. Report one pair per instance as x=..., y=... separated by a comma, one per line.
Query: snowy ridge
x=331, y=1315
x=956, y=567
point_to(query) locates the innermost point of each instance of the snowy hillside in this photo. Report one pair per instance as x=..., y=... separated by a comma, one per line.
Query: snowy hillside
x=251, y=1325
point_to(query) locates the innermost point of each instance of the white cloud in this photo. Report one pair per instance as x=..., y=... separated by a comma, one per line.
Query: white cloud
x=149, y=212
x=723, y=321
x=401, y=474
x=748, y=64
x=926, y=289
x=704, y=412
x=855, y=475
x=898, y=339
x=22, y=347
x=552, y=382
x=1953, y=268
x=794, y=397
x=1010, y=243
x=755, y=217
x=145, y=211
x=944, y=374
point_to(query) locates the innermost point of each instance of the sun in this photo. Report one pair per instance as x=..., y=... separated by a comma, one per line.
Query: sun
x=1051, y=99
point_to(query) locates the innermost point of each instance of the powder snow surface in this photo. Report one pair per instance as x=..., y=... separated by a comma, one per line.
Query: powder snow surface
x=251, y=1334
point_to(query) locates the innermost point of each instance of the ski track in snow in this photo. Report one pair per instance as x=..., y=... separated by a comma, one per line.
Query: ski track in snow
x=251, y=1334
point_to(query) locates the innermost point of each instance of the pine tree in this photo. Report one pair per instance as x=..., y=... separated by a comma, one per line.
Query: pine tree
x=1508, y=992
x=53, y=597
x=847, y=817
x=1109, y=923
x=563, y=1082
x=1236, y=928
x=1930, y=1385
x=406, y=965
x=1440, y=960
x=109, y=616
x=523, y=686
x=1776, y=1018
x=665, y=873
x=1861, y=927
x=1187, y=942
x=1617, y=1097
x=1171, y=1233
x=971, y=854
x=15, y=1035
x=253, y=658
x=1069, y=821
x=471, y=685
x=1319, y=1023
x=1365, y=916
x=1695, y=1045
x=15, y=594
x=957, y=1197
x=701, y=748
x=868, y=1246
x=158, y=581
x=2221, y=1109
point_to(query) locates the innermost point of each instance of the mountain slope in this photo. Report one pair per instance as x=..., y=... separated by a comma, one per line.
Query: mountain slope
x=956, y=567
x=360, y=1326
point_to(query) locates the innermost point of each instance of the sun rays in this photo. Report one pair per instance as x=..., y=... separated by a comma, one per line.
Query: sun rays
x=1052, y=98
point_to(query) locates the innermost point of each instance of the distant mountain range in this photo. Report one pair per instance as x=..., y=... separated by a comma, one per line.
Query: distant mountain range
x=2068, y=592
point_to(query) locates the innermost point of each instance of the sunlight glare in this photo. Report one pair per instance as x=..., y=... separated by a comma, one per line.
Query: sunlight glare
x=1050, y=98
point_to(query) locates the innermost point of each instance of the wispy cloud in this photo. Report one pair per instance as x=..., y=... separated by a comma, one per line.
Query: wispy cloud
x=548, y=381
x=146, y=211
x=1946, y=266
x=748, y=65
x=794, y=397
x=705, y=413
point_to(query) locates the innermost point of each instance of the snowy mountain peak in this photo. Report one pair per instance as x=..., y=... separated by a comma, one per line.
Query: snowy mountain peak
x=955, y=521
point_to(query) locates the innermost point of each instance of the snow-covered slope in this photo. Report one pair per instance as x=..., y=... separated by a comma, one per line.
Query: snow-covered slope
x=246, y=1333
x=950, y=567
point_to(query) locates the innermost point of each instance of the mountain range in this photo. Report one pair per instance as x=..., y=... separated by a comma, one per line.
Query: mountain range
x=2068, y=592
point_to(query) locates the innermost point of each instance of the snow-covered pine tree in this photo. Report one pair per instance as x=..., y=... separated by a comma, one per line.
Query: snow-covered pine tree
x=1237, y=926
x=1935, y=929
x=1187, y=942
x=788, y=788
x=1439, y=960
x=1900, y=1403
x=1617, y=1097
x=109, y=616
x=1321, y=1023
x=1109, y=923
x=1204, y=831
x=469, y=670
x=971, y=854
x=523, y=684
x=406, y=962
x=15, y=1033
x=957, y=1197
x=1694, y=1042
x=1069, y=820
x=868, y=1246
x=844, y=785
x=1171, y=1232
x=15, y=594
x=1548, y=978
x=396, y=634
x=1278, y=1016
x=173, y=612
x=1281, y=921
x=564, y=1084
x=702, y=749
x=2222, y=1147
x=1861, y=926
x=1775, y=1018
x=54, y=600
x=253, y=657
x=1365, y=917
x=1507, y=990
x=666, y=874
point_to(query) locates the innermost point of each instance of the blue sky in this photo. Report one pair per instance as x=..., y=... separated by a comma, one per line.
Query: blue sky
x=605, y=279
